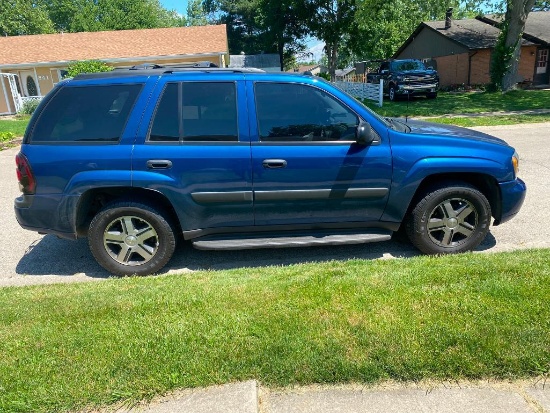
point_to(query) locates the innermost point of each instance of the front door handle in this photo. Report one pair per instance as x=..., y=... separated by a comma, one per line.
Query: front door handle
x=159, y=164
x=274, y=163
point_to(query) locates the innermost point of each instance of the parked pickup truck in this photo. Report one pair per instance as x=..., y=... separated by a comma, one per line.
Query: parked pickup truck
x=406, y=78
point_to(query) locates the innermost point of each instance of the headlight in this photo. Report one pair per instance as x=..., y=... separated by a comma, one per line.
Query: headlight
x=515, y=163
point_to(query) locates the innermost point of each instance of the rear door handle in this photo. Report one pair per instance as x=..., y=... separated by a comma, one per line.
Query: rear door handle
x=159, y=164
x=274, y=163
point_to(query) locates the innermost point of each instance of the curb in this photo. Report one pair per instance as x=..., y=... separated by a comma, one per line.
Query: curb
x=441, y=397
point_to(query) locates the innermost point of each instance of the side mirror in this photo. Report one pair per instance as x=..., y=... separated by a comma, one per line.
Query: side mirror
x=364, y=134
x=430, y=68
x=385, y=71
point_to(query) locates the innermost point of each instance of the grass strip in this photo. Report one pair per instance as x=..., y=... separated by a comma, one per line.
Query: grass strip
x=470, y=122
x=15, y=126
x=464, y=103
x=63, y=347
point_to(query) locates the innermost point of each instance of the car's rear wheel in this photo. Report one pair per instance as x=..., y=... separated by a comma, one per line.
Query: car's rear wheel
x=431, y=95
x=449, y=219
x=131, y=238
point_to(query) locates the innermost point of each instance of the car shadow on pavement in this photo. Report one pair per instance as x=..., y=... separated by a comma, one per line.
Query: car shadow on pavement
x=53, y=256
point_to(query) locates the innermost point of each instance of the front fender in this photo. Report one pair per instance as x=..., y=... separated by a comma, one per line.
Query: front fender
x=407, y=182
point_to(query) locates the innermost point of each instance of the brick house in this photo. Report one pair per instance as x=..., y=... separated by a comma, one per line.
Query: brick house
x=461, y=49
x=32, y=65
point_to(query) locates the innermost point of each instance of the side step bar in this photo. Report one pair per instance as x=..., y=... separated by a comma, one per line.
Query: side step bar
x=248, y=241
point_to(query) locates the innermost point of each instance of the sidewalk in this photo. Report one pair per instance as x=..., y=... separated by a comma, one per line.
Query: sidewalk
x=444, y=397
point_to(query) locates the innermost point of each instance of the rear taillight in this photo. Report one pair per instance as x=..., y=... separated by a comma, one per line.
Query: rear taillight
x=27, y=184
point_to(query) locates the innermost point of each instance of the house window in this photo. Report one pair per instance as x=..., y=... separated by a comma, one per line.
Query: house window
x=542, y=61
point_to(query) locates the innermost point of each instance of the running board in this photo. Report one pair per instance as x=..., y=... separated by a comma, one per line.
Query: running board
x=287, y=241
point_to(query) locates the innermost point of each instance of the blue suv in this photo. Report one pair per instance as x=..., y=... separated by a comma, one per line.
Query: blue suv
x=136, y=159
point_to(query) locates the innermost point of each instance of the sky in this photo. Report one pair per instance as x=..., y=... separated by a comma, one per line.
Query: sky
x=179, y=5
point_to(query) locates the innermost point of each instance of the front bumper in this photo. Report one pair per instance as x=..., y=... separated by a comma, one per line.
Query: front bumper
x=410, y=89
x=512, y=196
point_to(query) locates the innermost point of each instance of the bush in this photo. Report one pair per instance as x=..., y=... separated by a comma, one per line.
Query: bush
x=87, y=66
x=6, y=136
x=29, y=107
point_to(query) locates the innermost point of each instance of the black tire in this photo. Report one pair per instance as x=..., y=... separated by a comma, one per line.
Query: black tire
x=131, y=238
x=392, y=93
x=431, y=95
x=449, y=219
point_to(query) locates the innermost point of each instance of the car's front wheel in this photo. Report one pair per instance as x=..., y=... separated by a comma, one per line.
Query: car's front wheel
x=131, y=238
x=393, y=93
x=449, y=219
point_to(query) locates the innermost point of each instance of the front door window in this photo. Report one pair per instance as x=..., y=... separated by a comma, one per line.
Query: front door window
x=31, y=86
x=542, y=61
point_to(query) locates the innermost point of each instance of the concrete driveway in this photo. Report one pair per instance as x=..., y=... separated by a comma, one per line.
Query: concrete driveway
x=29, y=258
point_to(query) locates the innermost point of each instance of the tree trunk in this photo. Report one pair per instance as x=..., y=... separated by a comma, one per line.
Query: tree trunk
x=281, y=52
x=514, y=21
x=332, y=55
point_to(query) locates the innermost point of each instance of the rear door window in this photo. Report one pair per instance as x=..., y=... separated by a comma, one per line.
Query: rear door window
x=86, y=114
x=196, y=112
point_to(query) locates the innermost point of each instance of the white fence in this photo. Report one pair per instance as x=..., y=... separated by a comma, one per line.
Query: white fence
x=371, y=91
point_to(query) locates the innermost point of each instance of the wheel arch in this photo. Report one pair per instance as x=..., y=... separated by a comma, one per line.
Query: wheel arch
x=93, y=200
x=486, y=184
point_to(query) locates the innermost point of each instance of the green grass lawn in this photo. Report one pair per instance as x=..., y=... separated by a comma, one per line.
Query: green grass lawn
x=64, y=347
x=470, y=122
x=15, y=126
x=459, y=103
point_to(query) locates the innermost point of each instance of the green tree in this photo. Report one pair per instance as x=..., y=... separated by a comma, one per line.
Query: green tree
x=256, y=26
x=384, y=26
x=505, y=59
x=196, y=14
x=87, y=66
x=19, y=17
x=63, y=12
x=284, y=26
x=335, y=23
x=95, y=15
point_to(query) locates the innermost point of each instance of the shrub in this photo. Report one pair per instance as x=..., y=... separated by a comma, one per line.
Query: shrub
x=6, y=136
x=87, y=66
x=29, y=107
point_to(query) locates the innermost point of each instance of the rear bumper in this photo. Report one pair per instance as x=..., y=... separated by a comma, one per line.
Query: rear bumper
x=512, y=195
x=46, y=214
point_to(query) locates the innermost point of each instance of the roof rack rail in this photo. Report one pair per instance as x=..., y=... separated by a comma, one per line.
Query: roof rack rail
x=152, y=69
x=149, y=66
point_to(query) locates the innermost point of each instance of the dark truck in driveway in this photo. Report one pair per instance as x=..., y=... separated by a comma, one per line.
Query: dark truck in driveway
x=406, y=78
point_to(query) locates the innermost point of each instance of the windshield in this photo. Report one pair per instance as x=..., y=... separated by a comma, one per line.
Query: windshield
x=405, y=65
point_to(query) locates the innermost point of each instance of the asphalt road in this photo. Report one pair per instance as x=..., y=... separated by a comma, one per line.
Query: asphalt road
x=29, y=258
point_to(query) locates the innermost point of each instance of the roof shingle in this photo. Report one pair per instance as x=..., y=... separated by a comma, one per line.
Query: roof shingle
x=107, y=45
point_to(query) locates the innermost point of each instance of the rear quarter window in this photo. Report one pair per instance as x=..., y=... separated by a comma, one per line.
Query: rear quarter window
x=86, y=114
